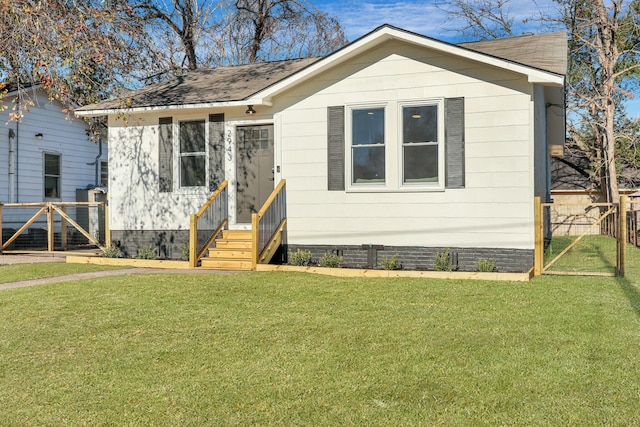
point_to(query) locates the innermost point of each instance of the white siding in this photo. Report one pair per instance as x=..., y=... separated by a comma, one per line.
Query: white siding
x=494, y=209
x=63, y=135
x=134, y=197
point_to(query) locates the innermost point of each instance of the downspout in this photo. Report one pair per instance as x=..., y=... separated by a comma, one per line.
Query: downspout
x=12, y=166
x=97, y=161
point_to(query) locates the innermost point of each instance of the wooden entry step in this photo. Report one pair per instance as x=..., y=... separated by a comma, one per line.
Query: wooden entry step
x=232, y=251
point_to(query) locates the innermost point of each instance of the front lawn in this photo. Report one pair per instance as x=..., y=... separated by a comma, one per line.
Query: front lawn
x=298, y=349
x=20, y=272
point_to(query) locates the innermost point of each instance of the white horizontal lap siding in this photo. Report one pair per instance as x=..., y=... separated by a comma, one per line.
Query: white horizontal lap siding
x=62, y=135
x=134, y=197
x=493, y=210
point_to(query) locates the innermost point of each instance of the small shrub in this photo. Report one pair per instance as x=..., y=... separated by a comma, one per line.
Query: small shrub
x=486, y=264
x=112, y=252
x=184, y=250
x=330, y=259
x=442, y=261
x=300, y=257
x=390, y=263
x=146, y=252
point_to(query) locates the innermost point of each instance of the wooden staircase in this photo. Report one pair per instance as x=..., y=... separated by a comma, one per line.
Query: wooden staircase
x=230, y=252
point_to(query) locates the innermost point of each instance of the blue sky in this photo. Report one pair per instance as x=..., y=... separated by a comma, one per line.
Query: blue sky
x=428, y=17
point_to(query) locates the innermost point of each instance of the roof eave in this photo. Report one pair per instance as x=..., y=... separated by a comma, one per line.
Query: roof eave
x=181, y=107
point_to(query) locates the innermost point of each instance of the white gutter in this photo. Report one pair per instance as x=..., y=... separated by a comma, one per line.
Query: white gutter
x=205, y=105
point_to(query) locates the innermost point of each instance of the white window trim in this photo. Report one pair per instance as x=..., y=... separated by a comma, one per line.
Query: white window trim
x=177, y=155
x=348, y=132
x=394, y=149
x=439, y=186
x=52, y=153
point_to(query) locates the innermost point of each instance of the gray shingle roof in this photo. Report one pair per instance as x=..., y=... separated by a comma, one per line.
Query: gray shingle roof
x=208, y=85
x=546, y=52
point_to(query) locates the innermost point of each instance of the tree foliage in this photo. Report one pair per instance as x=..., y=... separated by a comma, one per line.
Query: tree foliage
x=604, y=58
x=78, y=51
x=202, y=33
x=83, y=51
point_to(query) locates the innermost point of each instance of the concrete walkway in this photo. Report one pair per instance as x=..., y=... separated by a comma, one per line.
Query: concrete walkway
x=27, y=259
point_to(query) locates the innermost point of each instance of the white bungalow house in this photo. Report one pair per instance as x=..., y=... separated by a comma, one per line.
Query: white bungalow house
x=395, y=144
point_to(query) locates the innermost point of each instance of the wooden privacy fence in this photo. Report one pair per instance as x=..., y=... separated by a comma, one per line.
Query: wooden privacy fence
x=53, y=226
x=615, y=220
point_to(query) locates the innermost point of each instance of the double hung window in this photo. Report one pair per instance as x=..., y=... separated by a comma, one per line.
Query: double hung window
x=368, y=146
x=193, y=158
x=52, y=176
x=420, y=140
x=397, y=146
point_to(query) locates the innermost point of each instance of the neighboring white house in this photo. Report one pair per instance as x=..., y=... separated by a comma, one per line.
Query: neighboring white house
x=397, y=141
x=46, y=155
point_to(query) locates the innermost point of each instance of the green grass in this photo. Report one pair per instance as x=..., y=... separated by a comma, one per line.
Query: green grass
x=296, y=349
x=591, y=254
x=19, y=272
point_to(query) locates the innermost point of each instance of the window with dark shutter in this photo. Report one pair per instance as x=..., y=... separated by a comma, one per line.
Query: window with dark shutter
x=454, y=142
x=335, y=148
x=216, y=150
x=165, y=150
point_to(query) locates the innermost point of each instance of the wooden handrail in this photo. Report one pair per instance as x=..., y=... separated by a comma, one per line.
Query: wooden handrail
x=271, y=198
x=194, y=253
x=211, y=198
x=255, y=224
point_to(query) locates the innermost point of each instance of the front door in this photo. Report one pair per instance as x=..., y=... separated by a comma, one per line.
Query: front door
x=254, y=169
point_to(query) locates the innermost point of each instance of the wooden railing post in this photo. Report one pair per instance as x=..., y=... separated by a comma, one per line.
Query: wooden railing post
x=193, y=239
x=255, y=223
x=538, y=257
x=107, y=229
x=50, y=212
x=622, y=237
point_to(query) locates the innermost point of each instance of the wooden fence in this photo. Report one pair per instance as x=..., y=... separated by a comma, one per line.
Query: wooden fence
x=616, y=220
x=53, y=226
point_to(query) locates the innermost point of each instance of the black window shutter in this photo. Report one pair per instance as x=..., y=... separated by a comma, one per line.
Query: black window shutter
x=454, y=142
x=165, y=151
x=216, y=150
x=335, y=148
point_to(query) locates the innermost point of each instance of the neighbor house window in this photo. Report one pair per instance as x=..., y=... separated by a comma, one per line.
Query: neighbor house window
x=51, y=176
x=420, y=140
x=193, y=158
x=367, y=146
